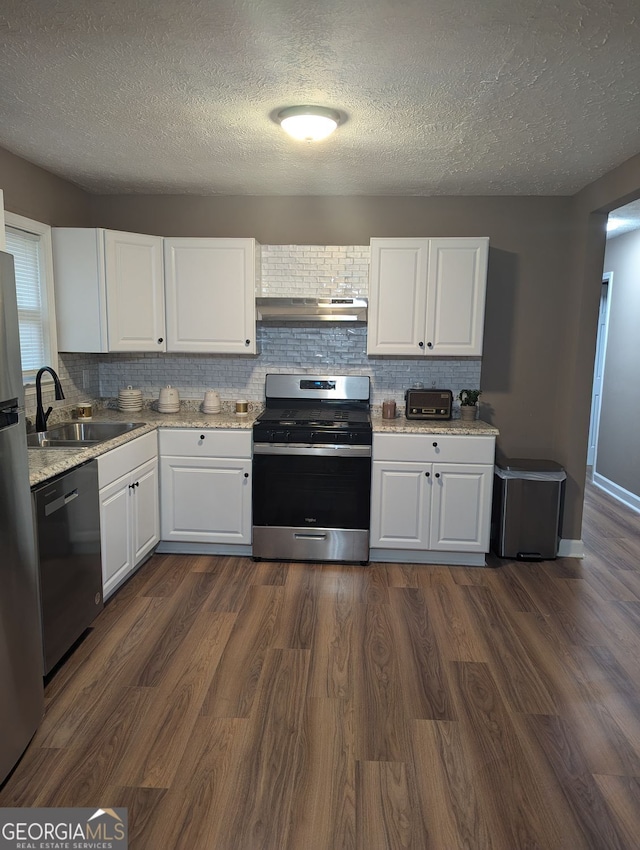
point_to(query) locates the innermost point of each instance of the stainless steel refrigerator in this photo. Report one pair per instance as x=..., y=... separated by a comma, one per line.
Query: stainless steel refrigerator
x=21, y=685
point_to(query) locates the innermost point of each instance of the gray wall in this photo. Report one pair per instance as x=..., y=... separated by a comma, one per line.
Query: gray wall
x=618, y=456
x=528, y=264
x=581, y=291
x=35, y=193
x=545, y=268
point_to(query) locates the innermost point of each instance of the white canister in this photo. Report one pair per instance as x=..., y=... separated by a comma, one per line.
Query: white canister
x=211, y=399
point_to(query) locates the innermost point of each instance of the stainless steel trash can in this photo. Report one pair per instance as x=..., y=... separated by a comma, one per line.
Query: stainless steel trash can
x=526, y=508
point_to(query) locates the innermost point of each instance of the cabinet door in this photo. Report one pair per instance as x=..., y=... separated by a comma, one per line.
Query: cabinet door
x=115, y=533
x=205, y=500
x=400, y=505
x=456, y=287
x=80, y=289
x=135, y=291
x=146, y=518
x=210, y=291
x=461, y=507
x=397, y=296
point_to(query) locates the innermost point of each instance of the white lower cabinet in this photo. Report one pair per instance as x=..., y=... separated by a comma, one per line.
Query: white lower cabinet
x=206, y=485
x=423, y=500
x=129, y=508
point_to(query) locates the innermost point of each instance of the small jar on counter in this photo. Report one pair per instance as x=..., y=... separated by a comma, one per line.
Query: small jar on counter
x=389, y=408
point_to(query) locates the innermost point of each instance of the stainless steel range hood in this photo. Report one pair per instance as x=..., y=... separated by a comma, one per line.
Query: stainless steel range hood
x=283, y=310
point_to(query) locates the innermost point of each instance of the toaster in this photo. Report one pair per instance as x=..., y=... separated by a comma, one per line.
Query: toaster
x=428, y=404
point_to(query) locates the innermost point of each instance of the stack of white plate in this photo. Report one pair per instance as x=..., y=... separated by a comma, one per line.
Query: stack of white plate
x=169, y=400
x=130, y=400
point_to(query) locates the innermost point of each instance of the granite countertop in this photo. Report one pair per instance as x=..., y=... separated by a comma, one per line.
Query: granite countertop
x=47, y=463
x=402, y=425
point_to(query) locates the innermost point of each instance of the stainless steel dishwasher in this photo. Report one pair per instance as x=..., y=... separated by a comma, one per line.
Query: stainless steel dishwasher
x=67, y=515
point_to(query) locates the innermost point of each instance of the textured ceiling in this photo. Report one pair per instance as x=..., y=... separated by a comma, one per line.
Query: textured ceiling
x=440, y=97
x=625, y=219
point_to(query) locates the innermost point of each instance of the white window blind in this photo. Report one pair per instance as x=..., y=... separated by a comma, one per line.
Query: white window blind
x=30, y=243
x=25, y=248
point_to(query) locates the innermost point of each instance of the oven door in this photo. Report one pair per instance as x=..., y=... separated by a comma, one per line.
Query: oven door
x=311, y=502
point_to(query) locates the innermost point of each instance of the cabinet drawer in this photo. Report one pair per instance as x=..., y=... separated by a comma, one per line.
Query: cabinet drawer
x=120, y=461
x=205, y=442
x=433, y=447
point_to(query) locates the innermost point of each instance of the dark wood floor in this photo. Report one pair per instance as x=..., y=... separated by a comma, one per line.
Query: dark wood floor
x=235, y=706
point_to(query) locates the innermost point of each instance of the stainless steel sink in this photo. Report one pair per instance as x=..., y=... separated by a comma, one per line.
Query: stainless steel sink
x=78, y=434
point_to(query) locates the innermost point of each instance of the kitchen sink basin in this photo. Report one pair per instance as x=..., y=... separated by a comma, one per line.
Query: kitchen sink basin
x=69, y=435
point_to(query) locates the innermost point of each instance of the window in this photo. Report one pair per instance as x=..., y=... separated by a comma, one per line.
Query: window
x=30, y=243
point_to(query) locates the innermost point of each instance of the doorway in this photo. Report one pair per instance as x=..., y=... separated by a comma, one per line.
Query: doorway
x=598, y=369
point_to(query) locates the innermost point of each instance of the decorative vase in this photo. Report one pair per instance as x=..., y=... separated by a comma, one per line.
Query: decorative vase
x=468, y=412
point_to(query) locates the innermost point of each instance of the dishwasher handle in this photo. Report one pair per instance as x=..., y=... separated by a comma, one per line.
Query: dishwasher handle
x=60, y=502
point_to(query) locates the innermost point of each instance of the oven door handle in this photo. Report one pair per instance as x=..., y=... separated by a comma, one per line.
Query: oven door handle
x=300, y=535
x=311, y=449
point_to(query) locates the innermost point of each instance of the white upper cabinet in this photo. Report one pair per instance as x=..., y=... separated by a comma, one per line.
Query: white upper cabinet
x=427, y=296
x=109, y=290
x=397, y=296
x=210, y=294
x=456, y=287
x=135, y=292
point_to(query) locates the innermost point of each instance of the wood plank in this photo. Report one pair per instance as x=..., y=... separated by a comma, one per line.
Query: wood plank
x=332, y=659
x=168, y=574
x=622, y=796
x=156, y=658
x=448, y=791
x=521, y=680
x=373, y=585
x=187, y=818
x=324, y=803
x=232, y=586
x=380, y=711
x=298, y=612
x=509, y=794
x=387, y=816
x=585, y=805
x=606, y=747
x=422, y=671
x=258, y=807
x=234, y=684
x=161, y=741
x=97, y=671
x=84, y=771
x=402, y=575
x=452, y=623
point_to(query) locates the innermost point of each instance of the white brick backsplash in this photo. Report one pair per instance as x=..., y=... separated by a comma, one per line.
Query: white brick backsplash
x=79, y=377
x=314, y=271
x=308, y=350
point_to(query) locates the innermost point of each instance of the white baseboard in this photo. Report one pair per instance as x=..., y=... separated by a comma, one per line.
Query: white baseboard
x=625, y=496
x=571, y=549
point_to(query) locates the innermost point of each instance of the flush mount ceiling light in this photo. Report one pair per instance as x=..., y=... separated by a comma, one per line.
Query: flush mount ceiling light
x=308, y=123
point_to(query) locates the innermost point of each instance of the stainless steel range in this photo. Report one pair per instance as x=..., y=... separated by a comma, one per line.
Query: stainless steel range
x=312, y=469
